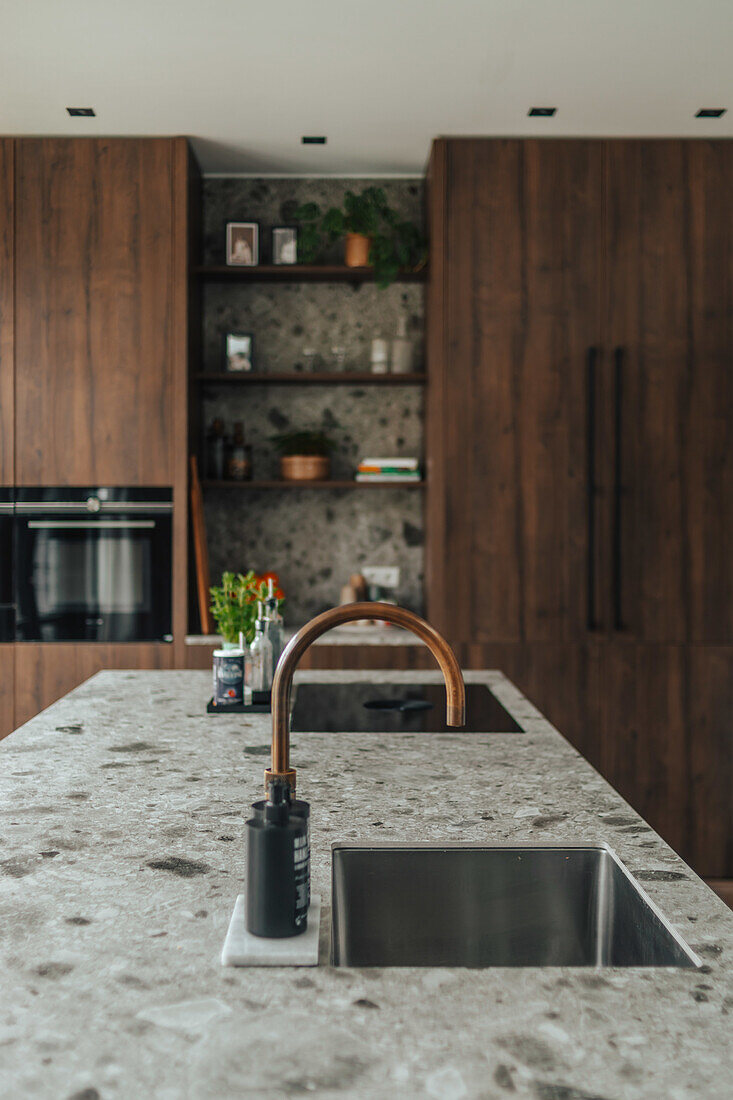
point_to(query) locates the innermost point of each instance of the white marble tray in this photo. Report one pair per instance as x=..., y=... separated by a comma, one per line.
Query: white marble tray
x=241, y=948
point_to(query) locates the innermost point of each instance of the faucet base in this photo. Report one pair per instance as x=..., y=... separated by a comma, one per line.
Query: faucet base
x=288, y=776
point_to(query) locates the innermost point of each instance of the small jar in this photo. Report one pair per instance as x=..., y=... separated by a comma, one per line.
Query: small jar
x=379, y=356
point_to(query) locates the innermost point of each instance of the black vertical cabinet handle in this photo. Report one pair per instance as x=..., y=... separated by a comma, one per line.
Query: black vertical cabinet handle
x=590, y=458
x=618, y=378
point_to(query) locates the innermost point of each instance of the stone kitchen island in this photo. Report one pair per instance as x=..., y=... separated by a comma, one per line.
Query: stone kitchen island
x=121, y=833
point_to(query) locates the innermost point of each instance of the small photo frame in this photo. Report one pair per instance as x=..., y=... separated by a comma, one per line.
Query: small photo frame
x=285, y=244
x=238, y=347
x=243, y=244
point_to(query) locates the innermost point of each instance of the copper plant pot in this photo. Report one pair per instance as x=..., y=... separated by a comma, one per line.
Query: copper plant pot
x=357, y=250
x=305, y=467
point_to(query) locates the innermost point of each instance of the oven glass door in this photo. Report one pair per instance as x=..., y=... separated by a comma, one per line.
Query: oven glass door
x=100, y=578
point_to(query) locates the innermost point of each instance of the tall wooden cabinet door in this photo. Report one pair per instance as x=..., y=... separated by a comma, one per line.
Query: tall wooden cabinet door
x=94, y=253
x=708, y=447
x=7, y=287
x=516, y=232
x=670, y=389
x=710, y=761
x=645, y=734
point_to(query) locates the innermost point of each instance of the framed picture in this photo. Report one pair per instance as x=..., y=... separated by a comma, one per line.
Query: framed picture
x=238, y=351
x=243, y=244
x=285, y=245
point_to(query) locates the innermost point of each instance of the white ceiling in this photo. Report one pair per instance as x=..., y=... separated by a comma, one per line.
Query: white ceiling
x=380, y=78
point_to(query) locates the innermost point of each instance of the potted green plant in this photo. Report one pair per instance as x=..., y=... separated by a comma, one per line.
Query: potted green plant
x=374, y=235
x=234, y=604
x=304, y=455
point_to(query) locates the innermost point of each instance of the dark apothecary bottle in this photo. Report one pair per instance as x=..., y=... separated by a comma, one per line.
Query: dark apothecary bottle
x=239, y=459
x=215, y=450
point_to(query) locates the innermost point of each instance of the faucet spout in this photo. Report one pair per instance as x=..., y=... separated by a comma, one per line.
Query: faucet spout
x=383, y=612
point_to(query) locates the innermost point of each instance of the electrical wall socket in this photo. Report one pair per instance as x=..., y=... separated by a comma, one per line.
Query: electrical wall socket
x=386, y=576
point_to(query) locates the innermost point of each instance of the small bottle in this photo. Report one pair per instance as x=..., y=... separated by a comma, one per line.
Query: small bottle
x=276, y=894
x=379, y=356
x=215, y=447
x=402, y=350
x=239, y=462
x=261, y=651
x=300, y=809
x=274, y=626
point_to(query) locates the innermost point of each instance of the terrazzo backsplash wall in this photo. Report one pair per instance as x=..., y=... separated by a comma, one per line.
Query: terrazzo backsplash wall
x=314, y=538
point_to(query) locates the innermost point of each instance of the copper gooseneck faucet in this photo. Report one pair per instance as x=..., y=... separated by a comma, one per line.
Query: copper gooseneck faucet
x=383, y=612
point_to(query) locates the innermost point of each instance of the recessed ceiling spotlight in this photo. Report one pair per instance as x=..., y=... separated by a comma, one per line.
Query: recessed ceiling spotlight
x=710, y=112
x=541, y=112
x=312, y=140
x=81, y=112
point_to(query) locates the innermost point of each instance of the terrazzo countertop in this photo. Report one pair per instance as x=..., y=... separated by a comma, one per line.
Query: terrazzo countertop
x=121, y=828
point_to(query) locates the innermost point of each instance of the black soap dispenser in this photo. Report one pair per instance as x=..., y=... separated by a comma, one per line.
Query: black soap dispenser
x=276, y=895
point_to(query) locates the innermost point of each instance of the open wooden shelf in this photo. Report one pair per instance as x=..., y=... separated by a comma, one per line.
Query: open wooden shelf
x=276, y=484
x=300, y=273
x=311, y=378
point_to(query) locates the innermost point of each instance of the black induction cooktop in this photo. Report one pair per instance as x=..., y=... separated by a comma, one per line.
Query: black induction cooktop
x=393, y=708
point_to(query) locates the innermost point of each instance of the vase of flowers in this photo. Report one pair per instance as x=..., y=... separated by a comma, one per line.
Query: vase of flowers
x=234, y=604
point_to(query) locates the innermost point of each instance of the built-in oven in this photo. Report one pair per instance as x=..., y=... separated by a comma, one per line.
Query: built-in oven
x=7, y=598
x=92, y=564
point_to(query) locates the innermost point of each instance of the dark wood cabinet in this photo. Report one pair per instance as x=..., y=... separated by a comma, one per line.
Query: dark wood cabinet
x=667, y=743
x=7, y=313
x=669, y=292
x=519, y=227
x=7, y=688
x=96, y=244
x=93, y=306
x=43, y=673
x=709, y=765
x=645, y=734
x=580, y=457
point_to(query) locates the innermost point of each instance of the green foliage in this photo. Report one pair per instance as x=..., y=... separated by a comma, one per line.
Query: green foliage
x=394, y=245
x=306, y=442
x=310, y=237
x=234, y=604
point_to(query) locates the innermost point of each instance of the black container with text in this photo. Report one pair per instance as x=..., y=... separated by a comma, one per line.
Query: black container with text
x=277, y=865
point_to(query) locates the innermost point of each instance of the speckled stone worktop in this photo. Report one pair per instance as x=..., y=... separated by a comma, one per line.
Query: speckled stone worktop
x=121, y=855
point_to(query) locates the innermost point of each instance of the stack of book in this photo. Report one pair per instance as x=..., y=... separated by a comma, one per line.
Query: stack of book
x=388, y=469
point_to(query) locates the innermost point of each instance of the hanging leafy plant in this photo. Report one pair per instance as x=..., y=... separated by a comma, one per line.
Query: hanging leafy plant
x=394, y=245
x=308, y=441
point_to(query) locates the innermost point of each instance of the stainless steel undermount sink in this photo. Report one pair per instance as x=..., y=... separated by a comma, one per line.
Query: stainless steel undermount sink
x=482, y=906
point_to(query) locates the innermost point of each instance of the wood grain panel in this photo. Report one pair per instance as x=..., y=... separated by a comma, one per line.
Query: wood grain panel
x=486, y=304
x=709, y=764
x=7, y=319
x=562, y=681
x=186, y=315
x=670, y=304
x=645, y=692
x=7, y=685
x=340, y=657
x=522, y=230
x=93, y=311
x=437, y=392
x=709, y=398
x=43, y=673
x=723, y=888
